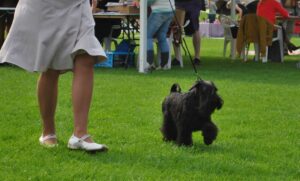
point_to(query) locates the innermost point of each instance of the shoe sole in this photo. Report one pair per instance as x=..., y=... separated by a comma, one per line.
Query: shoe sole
x=104, y=149
x=49, y=145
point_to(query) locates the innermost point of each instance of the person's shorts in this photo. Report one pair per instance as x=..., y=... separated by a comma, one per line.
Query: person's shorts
x=192, y=12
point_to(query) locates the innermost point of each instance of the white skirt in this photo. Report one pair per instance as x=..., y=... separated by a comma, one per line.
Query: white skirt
x=48, y=34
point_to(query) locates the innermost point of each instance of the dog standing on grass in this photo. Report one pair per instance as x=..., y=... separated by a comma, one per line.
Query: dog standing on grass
x=184, y=113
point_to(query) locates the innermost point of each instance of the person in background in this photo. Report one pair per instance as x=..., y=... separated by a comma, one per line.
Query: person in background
x=224, y=7
x=6, y=18
x=41, y=41
x=158, y=24
x=212, y=10
x=266, y=12
x=267, y=9
x=239, y=7
x=103, y=27
x=190, y=10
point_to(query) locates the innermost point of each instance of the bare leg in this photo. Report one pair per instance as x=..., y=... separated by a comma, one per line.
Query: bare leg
x=47, y=98
x=82, y=93
x=179, y=18
x=180, y=15
x=197, y=44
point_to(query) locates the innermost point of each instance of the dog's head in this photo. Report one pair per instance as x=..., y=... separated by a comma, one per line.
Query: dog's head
x=206, y=97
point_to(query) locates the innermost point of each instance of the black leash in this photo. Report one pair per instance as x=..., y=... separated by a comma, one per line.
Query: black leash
x=184, y=45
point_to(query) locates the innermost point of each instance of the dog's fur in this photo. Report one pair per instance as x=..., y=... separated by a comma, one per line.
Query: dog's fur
x=184, y=113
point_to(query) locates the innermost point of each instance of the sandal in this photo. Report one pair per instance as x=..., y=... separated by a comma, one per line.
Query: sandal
x=76, y=143
x=43, y=141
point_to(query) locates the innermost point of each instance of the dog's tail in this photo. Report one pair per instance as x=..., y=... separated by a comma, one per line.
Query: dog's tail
x=175, y=88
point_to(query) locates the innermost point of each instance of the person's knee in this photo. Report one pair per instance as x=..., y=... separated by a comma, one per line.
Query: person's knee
x=196, y=34
x=51, y=74
x=84, y=59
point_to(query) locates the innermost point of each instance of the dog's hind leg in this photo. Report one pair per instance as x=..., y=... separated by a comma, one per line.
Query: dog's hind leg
x=168, y=128
x=184, y=136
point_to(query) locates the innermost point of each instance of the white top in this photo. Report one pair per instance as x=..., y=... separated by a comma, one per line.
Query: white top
x=48, y=34
x=163, y=6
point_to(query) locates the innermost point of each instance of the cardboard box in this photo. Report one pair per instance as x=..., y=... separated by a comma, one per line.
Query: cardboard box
x=124, y=9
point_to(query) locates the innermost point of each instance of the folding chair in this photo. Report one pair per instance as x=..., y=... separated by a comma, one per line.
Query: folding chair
x=230, y=30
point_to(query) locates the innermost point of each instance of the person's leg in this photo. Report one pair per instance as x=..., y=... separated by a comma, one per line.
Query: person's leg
x=179, y=16
x=155, y=21
x=82, y=91
x=162, y=38
x=197, y=44
x=289, y=45
x=179, y=22
x=194, y=14
x=47, y=99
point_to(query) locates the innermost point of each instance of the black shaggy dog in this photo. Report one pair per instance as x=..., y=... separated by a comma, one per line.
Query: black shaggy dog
x=187, y=112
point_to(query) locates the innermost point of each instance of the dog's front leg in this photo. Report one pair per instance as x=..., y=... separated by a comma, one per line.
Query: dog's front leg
x=184, y=136
x=168, y=128
x=209, y=132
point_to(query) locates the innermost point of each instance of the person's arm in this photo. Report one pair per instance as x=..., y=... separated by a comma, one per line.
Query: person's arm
x=239, y=10
x=279, y=8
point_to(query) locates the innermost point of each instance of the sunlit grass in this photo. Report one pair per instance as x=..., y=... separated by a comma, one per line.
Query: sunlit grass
x=259, y=124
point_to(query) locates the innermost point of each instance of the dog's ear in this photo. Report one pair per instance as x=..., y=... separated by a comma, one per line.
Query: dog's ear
x=175, y=88
x=195, y=86
x=199, y=86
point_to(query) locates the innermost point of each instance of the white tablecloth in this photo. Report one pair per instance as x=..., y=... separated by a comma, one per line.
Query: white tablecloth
x=211, y=30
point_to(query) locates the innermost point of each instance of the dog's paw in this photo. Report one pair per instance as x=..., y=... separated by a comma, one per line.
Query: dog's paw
x=208, y=141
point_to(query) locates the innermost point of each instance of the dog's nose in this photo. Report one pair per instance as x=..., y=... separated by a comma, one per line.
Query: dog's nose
x=221, y=102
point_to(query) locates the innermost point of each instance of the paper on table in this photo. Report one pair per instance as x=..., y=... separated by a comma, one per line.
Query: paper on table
x=114, y=4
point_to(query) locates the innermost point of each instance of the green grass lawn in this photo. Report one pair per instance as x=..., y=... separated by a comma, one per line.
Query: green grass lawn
x=259, y=136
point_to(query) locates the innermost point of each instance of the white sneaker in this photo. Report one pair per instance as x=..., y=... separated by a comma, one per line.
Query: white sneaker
x=43, y=140
x=166, y=67
x=76, y=143
x=264, y=60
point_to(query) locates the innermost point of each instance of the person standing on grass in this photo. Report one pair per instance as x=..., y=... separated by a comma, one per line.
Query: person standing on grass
x=158, y=25
x=190, y=9
x=52, y=37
